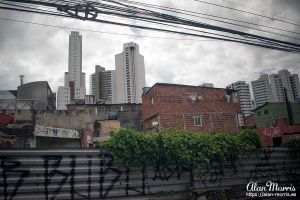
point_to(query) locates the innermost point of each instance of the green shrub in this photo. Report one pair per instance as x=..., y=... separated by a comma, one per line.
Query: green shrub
x=171, y=147
x=132, y=148
x=293, y=145
x=250, y=140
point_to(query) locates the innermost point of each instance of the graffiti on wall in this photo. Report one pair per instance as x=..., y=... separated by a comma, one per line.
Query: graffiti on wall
x=96, y=175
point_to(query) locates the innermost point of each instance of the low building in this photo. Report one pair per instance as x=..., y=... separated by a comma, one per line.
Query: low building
x=266, y=116
x=281, y=131
x=192, y=108
x=89, y=99
x=8, y=94
x=40, y=92
x=51, y=138
x=129, y=115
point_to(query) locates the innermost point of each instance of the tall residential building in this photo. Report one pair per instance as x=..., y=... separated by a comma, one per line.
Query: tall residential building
x=103, y=85
x=244, y=93
x=277, y=83
x=92, y=84
x=130, y=74
x=261, y=89
x=284, y=76
x=74, y=88
x=276, y=88
x=295, y=86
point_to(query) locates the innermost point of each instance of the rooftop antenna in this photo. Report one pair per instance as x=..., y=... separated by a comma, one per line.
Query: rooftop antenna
x=21, y=79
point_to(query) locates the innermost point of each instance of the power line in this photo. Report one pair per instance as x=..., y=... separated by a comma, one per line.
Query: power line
x=144, y=20
x=158, y=18
x=165, y=22
x=26, y=7
x=194, y=30
x=96, y=31
x=187, y=22
x=261, y=11
x=244, y=11
x=182, y=33
x=257, y=29
x=199, y=14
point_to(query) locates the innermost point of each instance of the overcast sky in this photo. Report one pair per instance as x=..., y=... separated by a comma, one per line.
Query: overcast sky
x=41, y=53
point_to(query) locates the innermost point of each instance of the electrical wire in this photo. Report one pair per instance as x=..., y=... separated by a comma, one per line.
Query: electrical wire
x=261, y=11
x=133, y=12
x=200, y=15
x=102, y=32
x=247, y=12
x=211, y=27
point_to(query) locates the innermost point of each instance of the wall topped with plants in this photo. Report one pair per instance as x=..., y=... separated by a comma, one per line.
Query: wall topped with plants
x=173, y=147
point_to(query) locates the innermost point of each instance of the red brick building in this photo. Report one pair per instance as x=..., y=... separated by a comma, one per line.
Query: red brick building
x=193, y=108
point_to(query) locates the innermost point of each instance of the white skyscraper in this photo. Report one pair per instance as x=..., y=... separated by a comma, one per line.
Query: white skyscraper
x=295, y=86
x=276, y=88
x=244, y=94
x=130, y=74
x=277, y=83
x=103, y=85
x=74, y=78
x=261, y=89
x=282, y=80
x=92, y=84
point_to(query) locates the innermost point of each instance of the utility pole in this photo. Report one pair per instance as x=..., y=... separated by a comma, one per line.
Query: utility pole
x=288, y=107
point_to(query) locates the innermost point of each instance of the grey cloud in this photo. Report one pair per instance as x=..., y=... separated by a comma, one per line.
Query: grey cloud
x=41, y=53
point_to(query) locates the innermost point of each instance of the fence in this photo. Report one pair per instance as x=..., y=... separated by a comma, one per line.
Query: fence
x=90, y=174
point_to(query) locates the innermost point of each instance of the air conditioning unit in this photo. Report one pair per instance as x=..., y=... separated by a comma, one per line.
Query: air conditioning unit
x=241, y=119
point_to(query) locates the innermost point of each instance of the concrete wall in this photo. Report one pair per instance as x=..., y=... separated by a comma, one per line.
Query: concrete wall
x=66, y=119
x=108, y=126
x=54, y=143
x=83, y=117
x=129, y=115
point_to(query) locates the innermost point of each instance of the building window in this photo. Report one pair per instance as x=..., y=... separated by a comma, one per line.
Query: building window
x=197, y=120
x=152, y=100
x=266, y=112
x=258, y=113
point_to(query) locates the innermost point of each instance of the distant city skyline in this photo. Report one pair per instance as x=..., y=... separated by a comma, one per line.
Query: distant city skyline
x=275, y=87
x=40, y=52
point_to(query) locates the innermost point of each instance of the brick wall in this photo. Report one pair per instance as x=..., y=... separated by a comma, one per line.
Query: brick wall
x=176, y=105
x=250, y=121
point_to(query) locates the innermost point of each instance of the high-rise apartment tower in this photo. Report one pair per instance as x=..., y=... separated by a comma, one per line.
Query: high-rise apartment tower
x=276, y=87
x=74, y=87
x=261, y=89
x=244, y=93
x=130, y=74
x=103, y=85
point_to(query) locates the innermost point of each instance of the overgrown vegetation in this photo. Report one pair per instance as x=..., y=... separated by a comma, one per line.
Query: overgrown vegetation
x=293, y=145
x=169, y=147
